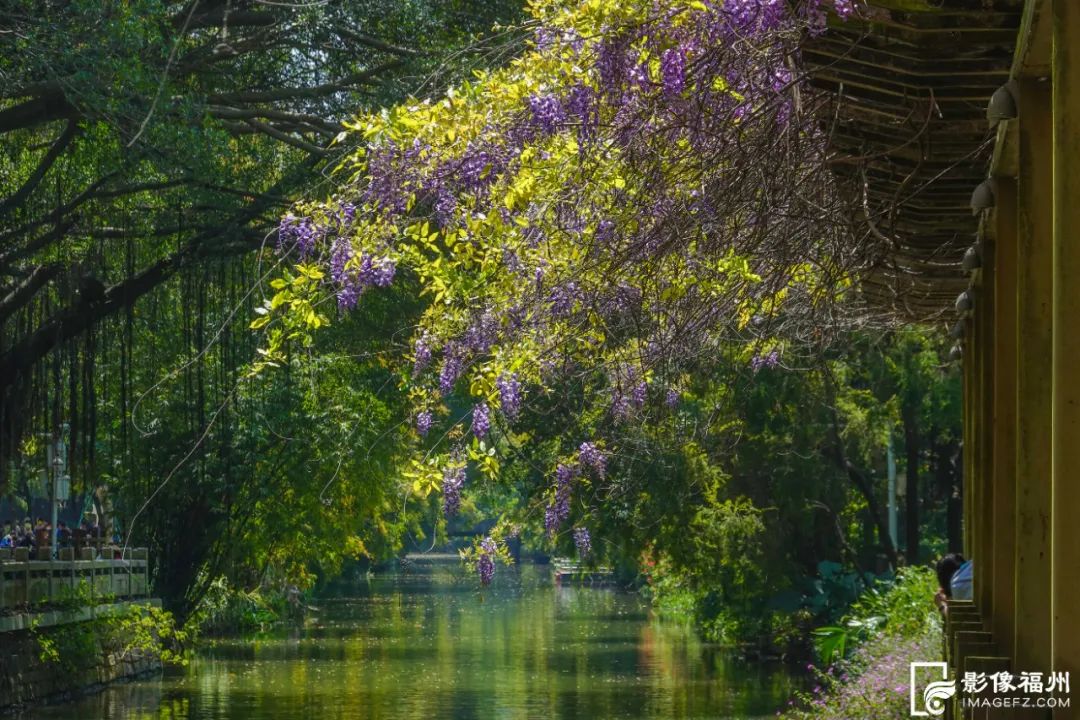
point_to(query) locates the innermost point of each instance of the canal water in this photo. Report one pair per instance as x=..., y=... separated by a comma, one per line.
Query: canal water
x=425, y=644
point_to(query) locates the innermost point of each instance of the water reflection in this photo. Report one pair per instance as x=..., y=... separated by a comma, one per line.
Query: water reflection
x=427, y=645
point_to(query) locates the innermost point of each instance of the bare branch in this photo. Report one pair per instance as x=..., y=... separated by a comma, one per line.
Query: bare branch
x=314, y=92
x=234, y=113
x=286, y=138
x=376, y=43
x=24, y=291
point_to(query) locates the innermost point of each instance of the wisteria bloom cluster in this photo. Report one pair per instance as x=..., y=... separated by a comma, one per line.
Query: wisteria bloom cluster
x=453, y=481
x=583, y=542
x=646, y=184
x=485, y=560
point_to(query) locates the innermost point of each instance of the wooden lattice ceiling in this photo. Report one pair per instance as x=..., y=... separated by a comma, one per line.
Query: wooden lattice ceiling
x=911, y=80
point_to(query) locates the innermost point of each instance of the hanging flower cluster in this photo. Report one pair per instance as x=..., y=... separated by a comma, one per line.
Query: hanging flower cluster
x=646, y=182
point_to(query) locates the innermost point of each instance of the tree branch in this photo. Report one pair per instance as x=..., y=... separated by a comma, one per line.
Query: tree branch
x=25, y=290
x=46, y=108
x=314, y=92
x=376, y=43
x=286, y=138
x=53, y=153
x=234, y=113
x=38, y=243
x=214, y=14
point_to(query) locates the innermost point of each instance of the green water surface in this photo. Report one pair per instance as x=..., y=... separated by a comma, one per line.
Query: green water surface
x=426, y=644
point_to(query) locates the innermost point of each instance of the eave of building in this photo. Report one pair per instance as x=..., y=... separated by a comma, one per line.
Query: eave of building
x=912, y=79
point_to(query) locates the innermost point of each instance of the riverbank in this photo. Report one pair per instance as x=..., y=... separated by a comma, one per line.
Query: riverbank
x=867, y=656
x=57, y=655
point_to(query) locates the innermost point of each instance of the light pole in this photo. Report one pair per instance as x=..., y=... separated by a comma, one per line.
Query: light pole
x=61, y=483
x=891, y=459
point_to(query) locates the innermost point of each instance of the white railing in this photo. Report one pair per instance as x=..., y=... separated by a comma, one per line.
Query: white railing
x=25, y=582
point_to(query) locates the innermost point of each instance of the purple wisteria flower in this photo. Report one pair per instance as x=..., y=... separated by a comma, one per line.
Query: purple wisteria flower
x=481, y=420
x=590, y=456
x=445, y=205
x=345, y=215
x=583, y=541
x=620, y=405
x=298, y=232
x=671, y=399
x=376, y=271
x=547, y=112
x=605, y=231
x=749, y=16
x=481, y=335
x=511, y=260
x=452, y=367
x=485, y=560
x=781, y=78
x=562, y=298
x=770, y=360
x=340, y=253
x=477, y=169
x=559, y=510
x=844, y=8
x=673, y=71
x=544, y=37
x=583, y=107
x=611, y=63
x=453, y=481
x=509, y=395
x=348, y=295
x=421, y=354
x=423, y=422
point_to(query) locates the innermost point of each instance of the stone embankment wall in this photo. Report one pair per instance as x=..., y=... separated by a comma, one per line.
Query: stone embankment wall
x=27, y=679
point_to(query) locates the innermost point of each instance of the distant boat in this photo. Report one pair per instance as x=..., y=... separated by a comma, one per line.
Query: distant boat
x=570, y=572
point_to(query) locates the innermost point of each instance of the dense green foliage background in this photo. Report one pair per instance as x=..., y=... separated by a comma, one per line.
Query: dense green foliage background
x=148, y=149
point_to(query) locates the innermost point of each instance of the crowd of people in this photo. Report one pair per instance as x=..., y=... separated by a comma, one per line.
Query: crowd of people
x=38, y=536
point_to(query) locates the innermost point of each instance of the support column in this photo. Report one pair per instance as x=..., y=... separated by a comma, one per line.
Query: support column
x=970, y=338
x=1066, y=343
x=1034, y=390
x=1003, y=465
x=984, y=559
x=978, y=526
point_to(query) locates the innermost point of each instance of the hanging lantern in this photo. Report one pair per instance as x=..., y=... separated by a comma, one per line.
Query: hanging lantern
x=983, y=197
x=1002, y=105
x=972, y=258
x=956, y=353
x=965, y=302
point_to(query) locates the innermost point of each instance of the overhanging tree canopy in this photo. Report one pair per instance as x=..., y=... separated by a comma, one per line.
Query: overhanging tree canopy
x=646, y=189
x=142, y=138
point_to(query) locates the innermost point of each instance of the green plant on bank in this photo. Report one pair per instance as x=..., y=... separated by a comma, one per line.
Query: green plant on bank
x=70, y=599
x=123, y=631
x=899, y=608
x=886, y=630
x=69, y=646
x=225, y=609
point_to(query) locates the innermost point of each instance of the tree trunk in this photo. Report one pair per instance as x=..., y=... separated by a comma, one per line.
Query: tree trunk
x=911, y=504
x=862, y=483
